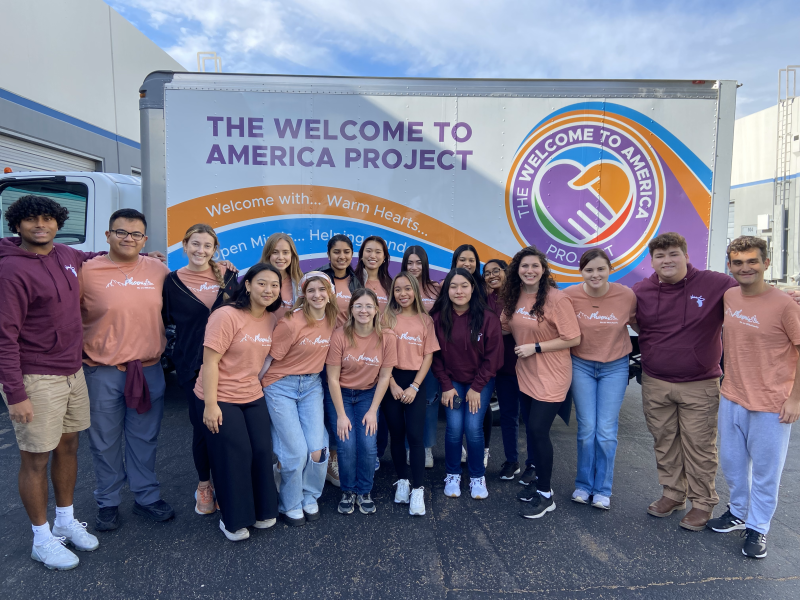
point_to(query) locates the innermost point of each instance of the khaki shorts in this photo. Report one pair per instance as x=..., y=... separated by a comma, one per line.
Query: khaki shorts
x=60, y=405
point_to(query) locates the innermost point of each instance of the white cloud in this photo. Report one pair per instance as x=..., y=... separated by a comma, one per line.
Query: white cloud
x=469, y=38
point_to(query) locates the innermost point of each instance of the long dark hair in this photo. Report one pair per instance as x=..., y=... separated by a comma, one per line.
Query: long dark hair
x=512, y=288
x=480, y=282
x=339, y=237
x=444, y=306
x=383, y=271
x=241, y=299
x=425, y=282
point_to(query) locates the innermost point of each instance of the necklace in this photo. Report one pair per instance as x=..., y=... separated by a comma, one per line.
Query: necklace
x=128, y=276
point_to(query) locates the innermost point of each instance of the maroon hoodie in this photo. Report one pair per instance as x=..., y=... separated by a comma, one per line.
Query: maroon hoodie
x=462, y=360
x=681, y=325
x=40, y=314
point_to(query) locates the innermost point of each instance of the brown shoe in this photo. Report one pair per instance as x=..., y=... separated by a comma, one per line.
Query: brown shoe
x=695, y=519
x=664, y=507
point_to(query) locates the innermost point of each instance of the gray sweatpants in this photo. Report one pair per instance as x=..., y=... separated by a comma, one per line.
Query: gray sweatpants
x=752, y=451
x=110, y=419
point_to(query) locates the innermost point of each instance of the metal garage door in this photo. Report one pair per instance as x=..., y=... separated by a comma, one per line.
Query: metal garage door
x=22, y=155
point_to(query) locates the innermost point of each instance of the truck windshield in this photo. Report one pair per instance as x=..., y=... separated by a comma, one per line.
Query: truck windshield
x=70, y=195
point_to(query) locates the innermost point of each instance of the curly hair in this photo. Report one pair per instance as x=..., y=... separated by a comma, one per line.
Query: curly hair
x=512, y=287
x=668, y=240
x=34, y=206
x=747, y=242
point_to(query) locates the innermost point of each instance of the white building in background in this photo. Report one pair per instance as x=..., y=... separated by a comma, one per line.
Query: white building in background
x=69, y=86
x=760, y=155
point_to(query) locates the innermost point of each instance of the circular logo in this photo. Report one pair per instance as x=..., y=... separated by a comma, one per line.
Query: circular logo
x=585, y=179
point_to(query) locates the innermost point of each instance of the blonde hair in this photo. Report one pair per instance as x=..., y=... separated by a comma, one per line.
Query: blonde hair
x=393, y=309
x=294, y=264
x=350, y=324
x=203, y=228
x=331, y=309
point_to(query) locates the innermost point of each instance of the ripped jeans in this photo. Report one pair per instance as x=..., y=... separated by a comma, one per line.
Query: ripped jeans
x=298, y=430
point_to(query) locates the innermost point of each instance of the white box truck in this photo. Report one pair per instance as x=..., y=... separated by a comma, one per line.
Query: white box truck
x=564, y=165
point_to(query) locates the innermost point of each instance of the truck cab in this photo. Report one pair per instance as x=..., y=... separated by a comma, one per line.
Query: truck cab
x=90, y=198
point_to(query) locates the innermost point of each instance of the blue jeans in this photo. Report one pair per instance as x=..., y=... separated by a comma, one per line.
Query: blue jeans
x=598, y=390
x=431, y=409
x=357, y=453
x=111, y=418
x=461, y=422
x=298, y=430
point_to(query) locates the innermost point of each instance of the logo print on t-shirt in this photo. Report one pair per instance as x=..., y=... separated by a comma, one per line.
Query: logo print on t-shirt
x=315, y=342
x=256, y=339
x=205, y=287
x=363, y=359
x=414, y=340
x=71, y=268
x=130, y=281
x=595, y=316
x=749, y=321
x=699, y=299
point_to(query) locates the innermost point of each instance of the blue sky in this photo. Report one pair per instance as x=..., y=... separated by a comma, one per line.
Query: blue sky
x=746, y=41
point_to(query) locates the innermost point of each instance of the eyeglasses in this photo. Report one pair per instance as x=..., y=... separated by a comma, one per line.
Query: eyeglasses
x=492, y=273
x=363, y=307
x=136, y=236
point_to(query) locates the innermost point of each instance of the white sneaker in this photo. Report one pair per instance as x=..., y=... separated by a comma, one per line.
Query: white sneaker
x=408, y=457
x=428, y=458
x=332, y=475
x=463, y=455
x=417, y=507
x=401, y=496
x=600, y=501
x=485, y=457
x=580, y=496
x=452, y=486
x=236, y=536
x=265, y=524
x=477, y=487
x=55, y=555
x=75, y=533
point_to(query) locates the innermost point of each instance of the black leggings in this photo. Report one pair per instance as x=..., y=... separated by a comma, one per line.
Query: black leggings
x=406, y=421
x=241, y=461
x=540, y=419
x=199, y=447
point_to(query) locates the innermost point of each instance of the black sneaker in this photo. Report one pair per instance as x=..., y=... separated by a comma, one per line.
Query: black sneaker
x=365, y=504
x=538, y=506
x=529, y=476
x=755, y=543
x=347, y=503
x=107, y=518
x=527, y=494
x=157, y=511
x=725, y=523
x=508, y=470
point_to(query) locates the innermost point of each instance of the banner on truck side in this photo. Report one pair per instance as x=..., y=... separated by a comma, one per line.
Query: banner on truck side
x=499, y=173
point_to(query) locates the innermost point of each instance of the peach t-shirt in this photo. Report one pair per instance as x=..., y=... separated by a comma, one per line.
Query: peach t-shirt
x=342, y=288
x=202, y=284
x=122, y=313
x=429, y=298
x=546, y=376
x=244, y=343
x=383, y=297
x=416, y=337
x=603, y=322
x=759, y=337
x=286, y=297
x=297, y=347
x=361, y=364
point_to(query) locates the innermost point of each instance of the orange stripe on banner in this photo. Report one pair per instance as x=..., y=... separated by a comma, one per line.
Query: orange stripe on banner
x=246, y=204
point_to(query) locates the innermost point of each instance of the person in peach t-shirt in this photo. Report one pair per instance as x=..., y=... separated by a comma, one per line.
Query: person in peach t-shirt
x=228, y=394
x=543, y=323
x=123, y=338
x=359, y=366
x=294, y=395
x=760, y=396
x=281, y=253
x=599, y=373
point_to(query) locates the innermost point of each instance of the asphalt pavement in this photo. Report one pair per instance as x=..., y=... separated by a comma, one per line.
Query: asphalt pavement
x=462, y=548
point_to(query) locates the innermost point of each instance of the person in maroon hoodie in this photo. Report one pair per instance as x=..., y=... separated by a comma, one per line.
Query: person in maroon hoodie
x=679, y=320
x=41, y=379
x=471, y=353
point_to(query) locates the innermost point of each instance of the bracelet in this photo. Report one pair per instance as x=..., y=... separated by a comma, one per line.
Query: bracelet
x=414, y=387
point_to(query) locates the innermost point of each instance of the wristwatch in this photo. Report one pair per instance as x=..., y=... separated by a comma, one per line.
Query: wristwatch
x=538, y=348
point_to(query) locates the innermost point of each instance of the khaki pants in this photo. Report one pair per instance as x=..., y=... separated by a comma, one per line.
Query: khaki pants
x=682, y=418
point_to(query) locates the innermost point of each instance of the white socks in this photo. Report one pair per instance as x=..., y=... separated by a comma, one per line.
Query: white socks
x=63, y=516
x=546, y=494
x=41, y=533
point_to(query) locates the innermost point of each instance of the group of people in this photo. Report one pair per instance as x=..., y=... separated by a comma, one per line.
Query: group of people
x=323, y=370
